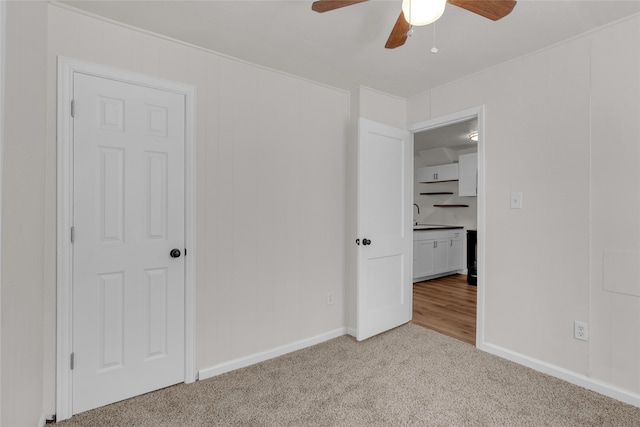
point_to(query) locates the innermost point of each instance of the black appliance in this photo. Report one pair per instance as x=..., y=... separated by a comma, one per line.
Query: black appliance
x=472, y=258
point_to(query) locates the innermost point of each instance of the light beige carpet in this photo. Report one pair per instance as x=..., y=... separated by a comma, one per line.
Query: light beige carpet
x=409, y=376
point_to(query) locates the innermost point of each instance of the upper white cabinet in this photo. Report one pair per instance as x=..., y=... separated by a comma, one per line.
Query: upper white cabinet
x=468, y=175
x=438, y=173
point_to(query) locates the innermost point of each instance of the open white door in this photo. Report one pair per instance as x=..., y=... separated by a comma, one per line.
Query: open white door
x=385, y=189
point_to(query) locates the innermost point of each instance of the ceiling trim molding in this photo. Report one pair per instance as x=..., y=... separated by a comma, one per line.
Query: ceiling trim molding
x=189, y=45
x=587, y=33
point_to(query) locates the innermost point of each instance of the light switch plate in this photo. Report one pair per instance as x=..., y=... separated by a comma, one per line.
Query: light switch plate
x=516, y=200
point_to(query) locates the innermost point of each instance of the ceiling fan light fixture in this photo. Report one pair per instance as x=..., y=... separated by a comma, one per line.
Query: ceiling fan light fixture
x=423, y=12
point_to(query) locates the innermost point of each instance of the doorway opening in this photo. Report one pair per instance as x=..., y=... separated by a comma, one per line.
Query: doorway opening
x=448, y=219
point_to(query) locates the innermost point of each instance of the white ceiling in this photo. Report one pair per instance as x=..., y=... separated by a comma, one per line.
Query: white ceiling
x=454, y=136
x=345, y=47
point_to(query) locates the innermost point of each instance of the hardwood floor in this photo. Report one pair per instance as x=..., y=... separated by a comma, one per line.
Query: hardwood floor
x=446, y=305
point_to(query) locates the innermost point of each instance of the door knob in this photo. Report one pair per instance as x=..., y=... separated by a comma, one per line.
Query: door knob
x=175, y=253
x=366, y=242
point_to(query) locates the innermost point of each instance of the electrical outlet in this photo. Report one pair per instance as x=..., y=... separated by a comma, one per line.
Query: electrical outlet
x=330, y=298
x=581, y=331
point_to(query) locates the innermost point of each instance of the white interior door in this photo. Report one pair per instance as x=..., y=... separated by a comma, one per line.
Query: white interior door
x=385, y=192
x=128, y=216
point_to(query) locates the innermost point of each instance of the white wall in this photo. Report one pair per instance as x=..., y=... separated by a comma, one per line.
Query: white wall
x=614, y=309
x=271, y=173
x=382, y=107
x=23, y=215
x=561, y=126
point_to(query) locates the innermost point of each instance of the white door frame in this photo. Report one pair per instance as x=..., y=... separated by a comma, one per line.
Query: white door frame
x=66, y=69
x=449, y=119
x=3, y=38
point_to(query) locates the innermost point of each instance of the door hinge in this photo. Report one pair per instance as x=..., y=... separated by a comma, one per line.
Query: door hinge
x=72, y=360
x=73, y=234
x=73, y=108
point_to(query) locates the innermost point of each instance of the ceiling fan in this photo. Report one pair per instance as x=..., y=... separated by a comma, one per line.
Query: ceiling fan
x=423, y=12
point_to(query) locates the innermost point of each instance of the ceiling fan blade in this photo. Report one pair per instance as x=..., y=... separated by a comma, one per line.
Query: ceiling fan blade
x=398, y=35
x=492, y=9
x=327, y=5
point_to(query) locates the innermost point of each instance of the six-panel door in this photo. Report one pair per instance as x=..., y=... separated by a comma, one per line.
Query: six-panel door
x=128, y=292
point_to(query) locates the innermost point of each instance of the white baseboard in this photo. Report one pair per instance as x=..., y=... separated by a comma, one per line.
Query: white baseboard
x=43, y=419
x=592, y=384
x=243, y=362
x=601, y=387
x=437, y=276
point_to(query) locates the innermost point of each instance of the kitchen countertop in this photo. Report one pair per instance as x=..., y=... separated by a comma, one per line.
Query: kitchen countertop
x=435, y=227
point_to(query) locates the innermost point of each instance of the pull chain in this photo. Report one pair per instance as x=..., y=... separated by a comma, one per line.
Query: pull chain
x=410, y=32
x=434, y=49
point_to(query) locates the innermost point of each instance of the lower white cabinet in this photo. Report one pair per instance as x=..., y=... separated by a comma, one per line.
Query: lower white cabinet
x=455, y=252
x=424, y=257
x=436, y=252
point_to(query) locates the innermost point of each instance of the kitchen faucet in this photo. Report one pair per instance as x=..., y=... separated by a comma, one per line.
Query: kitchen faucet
x=416, y=222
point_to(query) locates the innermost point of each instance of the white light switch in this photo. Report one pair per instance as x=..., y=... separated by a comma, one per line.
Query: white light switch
x=516, y=200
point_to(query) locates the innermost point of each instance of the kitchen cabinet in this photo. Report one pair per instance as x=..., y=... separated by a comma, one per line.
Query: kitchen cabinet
x=436, y=253
x=423, y=262
x=440, y=255
x=438, y=173
x=468, y=175
x=455, y=252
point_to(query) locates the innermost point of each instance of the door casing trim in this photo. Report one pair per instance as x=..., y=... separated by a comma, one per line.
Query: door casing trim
x=66, y=69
